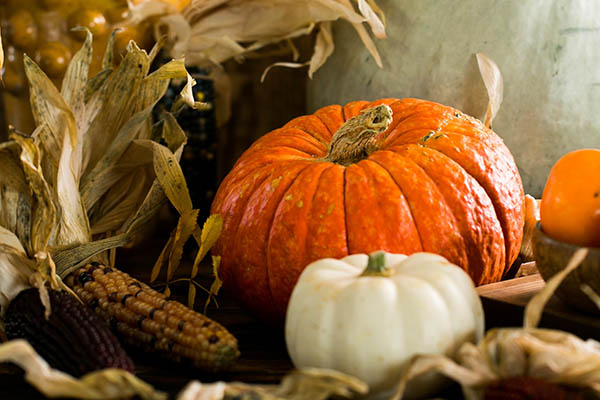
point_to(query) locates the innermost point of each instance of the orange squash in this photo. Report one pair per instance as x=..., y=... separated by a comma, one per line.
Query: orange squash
x=570, y=206
x=430, y=179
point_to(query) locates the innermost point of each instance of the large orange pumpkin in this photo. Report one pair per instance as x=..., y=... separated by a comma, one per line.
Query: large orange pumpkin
x=435, y=180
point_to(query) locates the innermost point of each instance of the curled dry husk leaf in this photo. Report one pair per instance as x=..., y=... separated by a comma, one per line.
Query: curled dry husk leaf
x=492, y=78
x=304, y=384
x=532, y=216
x=556, y=356
x=100, y=385
x=13, y=279
x=89, y=179
x=213, y=31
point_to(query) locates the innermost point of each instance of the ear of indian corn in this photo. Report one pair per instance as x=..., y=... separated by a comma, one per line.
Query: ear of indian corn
x=145, y=318
x=73, y=339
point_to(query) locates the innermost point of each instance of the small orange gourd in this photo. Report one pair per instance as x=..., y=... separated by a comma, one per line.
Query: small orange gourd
x=570, y=207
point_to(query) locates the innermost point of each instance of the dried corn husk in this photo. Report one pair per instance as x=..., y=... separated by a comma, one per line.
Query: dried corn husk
x=213, y=31
x=101, y=385
x=532, y=217
x=304, y=384
x=13, y=279
x=556, y=356
x=492, y=78
x=95, y=155
x=88, y=180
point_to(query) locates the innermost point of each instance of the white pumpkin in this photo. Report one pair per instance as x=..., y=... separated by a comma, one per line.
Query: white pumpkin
x=547, y=51
x=368, y=315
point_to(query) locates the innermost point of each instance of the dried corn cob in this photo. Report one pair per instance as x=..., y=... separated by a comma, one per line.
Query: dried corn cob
x=144, y=317
x=73, y=339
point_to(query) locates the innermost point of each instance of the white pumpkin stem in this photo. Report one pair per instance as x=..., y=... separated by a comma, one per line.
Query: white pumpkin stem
x=355, y=140
x=376, y=265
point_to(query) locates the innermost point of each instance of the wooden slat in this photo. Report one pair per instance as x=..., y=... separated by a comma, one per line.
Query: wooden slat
x=515, y=291
x=504, y=303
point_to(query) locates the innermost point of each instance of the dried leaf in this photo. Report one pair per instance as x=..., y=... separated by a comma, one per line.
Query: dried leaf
x=174, y=69
x=372, y=18
x=185, y=228
x=46, y=268
x=178, y=32
x=76, y=78
x=492, y=78
x=169, y=174
x=187, y=97
x=211, y=230
x=157, y=48
x=196, y=390
x=104, y=384
x=107, y=172
x=303, y=384
x=142, y=10
x=191, y=295
x=9, y=242
x=69, y=259
x=155, y=85
x=138, y=155
x=217, y=282
x=15, y=268
x=162, y=257
x=552, y=355
x=167, y=291
x=585, y=288
x=50, y=110
x=37, y=281
x=58, y=136
x=116, y=106
x=323, y=48
x=422, y=364
x=16, y=201
x=281, y=64
x=213, y=31
x=122, y=201
x=43, y=211
x=73, y=92
x=532, y=216
x=93, y=94
x=154, y=201
x=173, y=135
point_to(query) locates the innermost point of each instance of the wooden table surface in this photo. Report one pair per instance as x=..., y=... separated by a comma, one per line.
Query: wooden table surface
x=264, y=358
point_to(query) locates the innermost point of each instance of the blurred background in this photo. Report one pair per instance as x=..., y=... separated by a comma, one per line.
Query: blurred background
x=242, y=107
x=332, y=52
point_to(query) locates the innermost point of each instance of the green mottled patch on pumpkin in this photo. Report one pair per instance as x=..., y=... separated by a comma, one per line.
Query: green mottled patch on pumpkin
x=243, y=189
x=330, y=209
x=275, y=182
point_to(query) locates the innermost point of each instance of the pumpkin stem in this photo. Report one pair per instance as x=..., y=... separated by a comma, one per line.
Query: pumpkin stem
x=355, y=140
x=376, y=265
